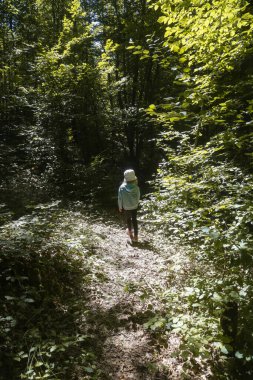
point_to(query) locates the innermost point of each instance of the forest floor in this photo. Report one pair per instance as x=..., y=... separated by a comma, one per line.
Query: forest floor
x=134, y=278
x=97, y=284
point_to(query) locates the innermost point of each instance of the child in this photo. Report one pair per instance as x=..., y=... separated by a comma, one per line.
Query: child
x=128, y=200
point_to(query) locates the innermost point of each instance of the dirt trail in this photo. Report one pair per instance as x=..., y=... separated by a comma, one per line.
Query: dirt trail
x=124, y=298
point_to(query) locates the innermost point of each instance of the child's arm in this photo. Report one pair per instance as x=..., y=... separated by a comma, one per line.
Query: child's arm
x=138, y=194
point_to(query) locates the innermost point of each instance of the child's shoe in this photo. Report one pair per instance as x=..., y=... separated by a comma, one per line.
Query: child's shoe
x=129, y=234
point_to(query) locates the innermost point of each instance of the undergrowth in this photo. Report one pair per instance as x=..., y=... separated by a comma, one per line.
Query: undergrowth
x=209, y=299
x=45, y=270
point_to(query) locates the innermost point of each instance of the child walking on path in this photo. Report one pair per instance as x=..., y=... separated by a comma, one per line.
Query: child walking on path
x=128, y=200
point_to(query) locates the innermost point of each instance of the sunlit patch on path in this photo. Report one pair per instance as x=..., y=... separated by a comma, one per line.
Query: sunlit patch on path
x=122, y=301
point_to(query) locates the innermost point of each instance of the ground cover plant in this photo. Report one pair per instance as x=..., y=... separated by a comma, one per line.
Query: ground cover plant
x=45, y=271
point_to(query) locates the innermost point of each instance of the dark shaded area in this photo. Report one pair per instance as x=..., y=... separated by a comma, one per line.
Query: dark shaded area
x=117, y=320
x=66, y=132
x=43, y=297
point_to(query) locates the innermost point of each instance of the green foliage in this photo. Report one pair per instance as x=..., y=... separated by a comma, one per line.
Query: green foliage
x=69, y=90
x=76, y=78
x=45, y=271
x=70, y=86
x=204, y=33
x=130, y=81
x=203, y=186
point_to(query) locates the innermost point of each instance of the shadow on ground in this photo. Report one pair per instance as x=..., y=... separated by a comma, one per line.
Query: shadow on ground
x=123, y=348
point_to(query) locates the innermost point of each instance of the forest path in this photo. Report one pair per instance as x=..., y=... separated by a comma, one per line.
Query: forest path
x=99, y=287
x=123, y=299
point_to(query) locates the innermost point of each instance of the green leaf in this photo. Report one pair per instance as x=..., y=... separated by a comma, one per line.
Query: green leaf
x=88, y=369
x=238, y=355
x=9, y=298
x=163, y=19
x=39, y=364
x=29, y=300
x=224, y=350
x=216, y=297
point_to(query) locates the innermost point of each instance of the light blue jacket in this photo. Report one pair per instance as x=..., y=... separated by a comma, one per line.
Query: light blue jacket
x=128, y=196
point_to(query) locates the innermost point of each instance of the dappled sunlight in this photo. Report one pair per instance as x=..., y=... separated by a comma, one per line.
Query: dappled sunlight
x=117, y=309
x=44, y=293
x=80, y=283
x=128, y=297
x=101, y=281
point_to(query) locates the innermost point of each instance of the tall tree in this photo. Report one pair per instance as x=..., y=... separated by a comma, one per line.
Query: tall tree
x=133, y=79
x=69, y=88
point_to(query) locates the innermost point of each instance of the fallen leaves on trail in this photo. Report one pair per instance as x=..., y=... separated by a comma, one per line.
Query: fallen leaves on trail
x=131, y=295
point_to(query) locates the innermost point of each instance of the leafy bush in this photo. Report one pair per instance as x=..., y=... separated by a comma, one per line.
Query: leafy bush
x=202, y=194
x=210, y=210
x=44, y=280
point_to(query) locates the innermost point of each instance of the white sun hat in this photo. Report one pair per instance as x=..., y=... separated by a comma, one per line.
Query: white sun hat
x=129, y=175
